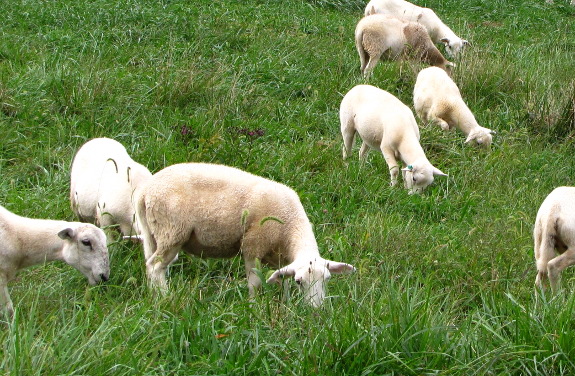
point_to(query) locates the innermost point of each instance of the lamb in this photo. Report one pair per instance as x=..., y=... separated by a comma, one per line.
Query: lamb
x=25, y=242
x=554, y=233
x=436, y=98
x=383, y=122
x=211, y=210
x=379, y=36
x=438, y=31
x=102, y=182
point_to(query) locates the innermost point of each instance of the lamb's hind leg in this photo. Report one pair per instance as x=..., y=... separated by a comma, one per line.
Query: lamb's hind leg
x=157, y=264
x=5, y=301
x=557, y=265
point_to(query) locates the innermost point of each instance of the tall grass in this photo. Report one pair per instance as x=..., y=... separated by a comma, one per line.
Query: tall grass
x=444, y=280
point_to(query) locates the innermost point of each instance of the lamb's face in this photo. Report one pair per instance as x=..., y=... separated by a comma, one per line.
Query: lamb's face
x=417, y=178
x=85, y=249
x=481, y=137
x=454, y=47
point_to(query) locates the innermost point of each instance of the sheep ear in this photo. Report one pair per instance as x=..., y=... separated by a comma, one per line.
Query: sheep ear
x=467, y=43
x=276, y=277
x=445, y=41
x=66, y=233
x=371, y=11
x=438, y=172
x=470, y=137
x=339, y=267
x=492, y=131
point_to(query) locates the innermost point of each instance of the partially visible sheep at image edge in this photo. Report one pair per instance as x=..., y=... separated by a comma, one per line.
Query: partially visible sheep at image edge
x=211, y=210
x=102, y=183
x=383, y=37
x=554, y=236
x=384, y=123
x=437, y=99
x=438, y=31
x=25, y=242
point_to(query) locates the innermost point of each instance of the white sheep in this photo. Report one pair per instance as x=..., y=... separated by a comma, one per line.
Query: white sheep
x=554, y=236
x=438, y=31
x=383, y=122
x=25, y=242
x=211, y=210
x=102, y=184
x=379, y=36
x=436, y=98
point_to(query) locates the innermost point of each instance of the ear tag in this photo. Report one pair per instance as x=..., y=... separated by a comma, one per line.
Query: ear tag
x=409, y=167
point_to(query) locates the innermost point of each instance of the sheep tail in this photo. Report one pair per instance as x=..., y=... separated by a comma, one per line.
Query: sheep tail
x=146, y=236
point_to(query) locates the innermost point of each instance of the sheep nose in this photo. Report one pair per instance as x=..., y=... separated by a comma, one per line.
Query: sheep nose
x=104, y=277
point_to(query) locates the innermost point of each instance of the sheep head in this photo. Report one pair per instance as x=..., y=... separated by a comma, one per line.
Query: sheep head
x=482, y=137
x=85, y=249
x=419, y=175
x=311, y=276
x=454, y=47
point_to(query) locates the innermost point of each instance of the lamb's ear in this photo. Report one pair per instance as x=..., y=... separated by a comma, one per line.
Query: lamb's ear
x=66, y=233
x=339, y=267
x=445, y=41
x=437, y=172
x=371, y=11
x=470, y=137
x=466, y=43
x=492, y=131
x=283, y=272
x=450, y=64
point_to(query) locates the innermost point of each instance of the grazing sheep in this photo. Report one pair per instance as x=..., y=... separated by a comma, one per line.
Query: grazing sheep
x=102, y=183
x=25, y=242
x=554, y=233
x=383, y=122
x=212, y=210
x=438, y=31
x=436, y=98
x=379, y=36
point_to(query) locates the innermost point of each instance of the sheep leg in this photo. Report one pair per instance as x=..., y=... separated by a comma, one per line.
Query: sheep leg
x=5, y=300
x=348, y=134
x=363, y=151
x=254, y=281
x=373, y=60
x=156, y=267
x=389, y=156
x=556, y=266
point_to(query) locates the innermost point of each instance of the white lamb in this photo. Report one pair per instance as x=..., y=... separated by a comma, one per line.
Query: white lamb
x=25, y=242
x=212, y=210
x=554, y=234
x=438, y=31
x=383, y=122
x=102, y=184
x=436, y=98
x=379, y=36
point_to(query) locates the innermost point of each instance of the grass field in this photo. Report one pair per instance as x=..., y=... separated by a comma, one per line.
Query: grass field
x=444, y=281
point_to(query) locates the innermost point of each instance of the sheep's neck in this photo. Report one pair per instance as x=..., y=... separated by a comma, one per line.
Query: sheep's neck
x=43, y=245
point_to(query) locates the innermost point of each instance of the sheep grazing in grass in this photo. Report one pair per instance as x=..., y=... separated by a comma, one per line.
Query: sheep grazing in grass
x=383, y=122
x=379, y=36
x=438, y=31
x=212, y=210
x=25, y=242
x=102, y=184
x=436, y=98
x=554, y=236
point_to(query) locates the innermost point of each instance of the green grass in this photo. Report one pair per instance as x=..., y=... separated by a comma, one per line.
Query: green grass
x=445, y=280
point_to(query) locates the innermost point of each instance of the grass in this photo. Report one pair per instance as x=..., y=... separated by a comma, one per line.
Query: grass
x=444, y=281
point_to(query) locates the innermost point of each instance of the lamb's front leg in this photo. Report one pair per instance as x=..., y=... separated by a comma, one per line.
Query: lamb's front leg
x=389, y=156
x=254, y=281
x=5, y=301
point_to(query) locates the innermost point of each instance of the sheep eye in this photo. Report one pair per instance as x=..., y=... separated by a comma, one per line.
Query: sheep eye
x=298, y=281
x=87, y=243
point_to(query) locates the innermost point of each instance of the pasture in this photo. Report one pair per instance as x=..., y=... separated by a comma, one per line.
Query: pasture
x=444, y=281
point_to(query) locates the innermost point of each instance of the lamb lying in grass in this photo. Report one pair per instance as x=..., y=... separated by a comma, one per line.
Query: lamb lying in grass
x=383, y=122
x=212, y=210
x=554, y=236
x=102, y=184
x=436, y=98
x=438, y=31
x=25, y=242
x=378, y=36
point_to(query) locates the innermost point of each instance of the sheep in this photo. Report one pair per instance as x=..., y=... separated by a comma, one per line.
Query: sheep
x=102, y=181
x=554, y=233
x=438, y=31
x=211, y=210
x=383, y=122
x=436, y=98
x=25, y=242
x=379, y=36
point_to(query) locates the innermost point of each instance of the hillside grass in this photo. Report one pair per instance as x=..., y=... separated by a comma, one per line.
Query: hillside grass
x=445, y=280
